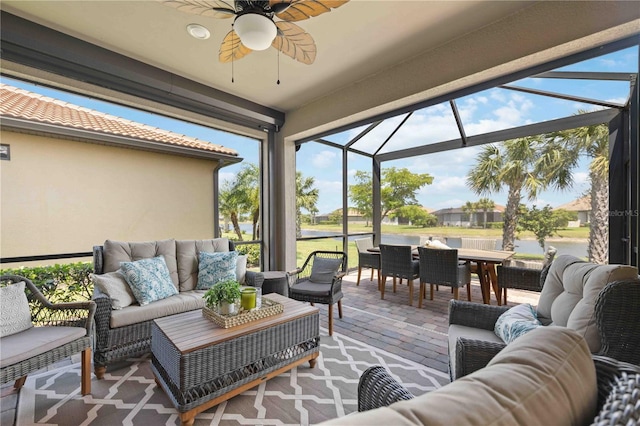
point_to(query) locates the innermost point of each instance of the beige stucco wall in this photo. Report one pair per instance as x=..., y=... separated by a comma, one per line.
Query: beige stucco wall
x=61, y=196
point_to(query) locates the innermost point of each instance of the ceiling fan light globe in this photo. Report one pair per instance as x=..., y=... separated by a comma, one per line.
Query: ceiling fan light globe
x=255, y=31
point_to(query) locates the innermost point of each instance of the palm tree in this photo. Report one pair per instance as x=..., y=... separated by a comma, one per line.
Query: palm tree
x=247, y=188
x=306, y=198
x=485, y=205
x=525, y=164
x=594, y=141
x=469, y=208
x=229, y=206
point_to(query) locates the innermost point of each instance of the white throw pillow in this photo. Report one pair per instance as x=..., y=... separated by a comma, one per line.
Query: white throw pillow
x=516, y=322
x=15, y=315
x=436, y=245
x=116, y=287
x=241, y=269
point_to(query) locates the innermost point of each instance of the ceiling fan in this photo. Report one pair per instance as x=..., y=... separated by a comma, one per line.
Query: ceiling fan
x=255, y=28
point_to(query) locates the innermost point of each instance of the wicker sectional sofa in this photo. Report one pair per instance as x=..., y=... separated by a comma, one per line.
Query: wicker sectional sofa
x=124, y=333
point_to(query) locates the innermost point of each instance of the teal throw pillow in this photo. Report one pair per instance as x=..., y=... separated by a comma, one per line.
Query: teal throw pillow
x=323, y=270
x=149, y=279
x=216, y=267
x=516, y=322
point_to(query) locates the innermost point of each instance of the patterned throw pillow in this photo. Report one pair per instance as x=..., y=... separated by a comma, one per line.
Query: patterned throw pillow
x=516, y=322
x=15, y=315
x=324, y=269
x=216, y=267
x=116, y=287
x=149, y=279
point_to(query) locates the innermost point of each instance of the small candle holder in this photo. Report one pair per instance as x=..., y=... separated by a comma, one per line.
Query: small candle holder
x=248, y=298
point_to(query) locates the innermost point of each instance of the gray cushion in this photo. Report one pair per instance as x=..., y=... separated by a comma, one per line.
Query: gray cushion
x=115, y=252
x=36, y=341
x=457, y=331
x=570, y=292
x=116, y=287
x=323, y=270
x=312, y=288
x=182, y=302
x=15, y=315
x=187, y=258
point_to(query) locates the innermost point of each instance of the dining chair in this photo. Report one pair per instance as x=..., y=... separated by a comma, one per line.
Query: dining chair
x=442, y=267
x=397, y=261
x=366, y=259
x=521, y=278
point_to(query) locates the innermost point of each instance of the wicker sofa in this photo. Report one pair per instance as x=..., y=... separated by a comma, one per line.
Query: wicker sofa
x=124, y=333
x=572, y=291
x=546, y=377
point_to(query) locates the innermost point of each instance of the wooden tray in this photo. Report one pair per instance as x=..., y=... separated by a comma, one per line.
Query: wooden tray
x=269, y=307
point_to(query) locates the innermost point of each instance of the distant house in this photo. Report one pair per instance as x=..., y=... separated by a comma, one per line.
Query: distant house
x=582, y=206
x=73, y=177
x=456, y=216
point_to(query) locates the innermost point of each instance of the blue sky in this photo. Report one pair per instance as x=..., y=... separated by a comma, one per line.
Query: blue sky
x=490, y=110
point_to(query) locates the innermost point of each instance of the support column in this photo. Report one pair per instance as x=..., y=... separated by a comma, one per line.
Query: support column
x=376, y=180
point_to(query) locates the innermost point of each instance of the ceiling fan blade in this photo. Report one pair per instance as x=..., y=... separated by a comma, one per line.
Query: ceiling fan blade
x=294, y=42
x=232, y=49
x=305, y=9
x=213, y=8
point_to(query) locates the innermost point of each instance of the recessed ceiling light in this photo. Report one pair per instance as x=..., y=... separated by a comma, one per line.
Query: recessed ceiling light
x=198, y=31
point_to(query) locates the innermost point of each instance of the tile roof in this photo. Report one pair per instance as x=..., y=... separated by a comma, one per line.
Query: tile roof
x=19, y=103
x=578, y=205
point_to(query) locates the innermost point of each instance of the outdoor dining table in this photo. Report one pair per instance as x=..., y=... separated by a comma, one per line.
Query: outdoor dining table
x=486, y=261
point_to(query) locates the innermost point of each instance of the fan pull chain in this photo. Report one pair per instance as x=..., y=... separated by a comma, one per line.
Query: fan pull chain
x=233, y=44
x=278, y=82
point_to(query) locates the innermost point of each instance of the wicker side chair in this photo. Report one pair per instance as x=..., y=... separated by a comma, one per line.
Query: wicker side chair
x=618, y=391
x=617, y=314
x=524, y=278
x=441, y=267
x=319, y=280
x=60, y=330
x=397, y=261
x=367, y=259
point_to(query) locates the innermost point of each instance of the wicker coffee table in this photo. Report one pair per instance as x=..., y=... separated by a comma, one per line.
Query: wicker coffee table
x=199, y=364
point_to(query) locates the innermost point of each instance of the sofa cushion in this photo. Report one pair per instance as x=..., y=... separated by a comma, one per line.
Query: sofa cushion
x=570, y=291
x=36, y=341
x=116, y=287
x=187, y=254
x=115, y=252
x=15, y=315
x=516, y=322
x=457, y=331
x=149, y=279
x=546, y=377
x=183, y=302
x=216, y=267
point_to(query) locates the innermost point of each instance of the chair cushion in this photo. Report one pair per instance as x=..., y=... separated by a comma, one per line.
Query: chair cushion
x=516, y=322
x=312, y=288
x=149, y=279
x=15, y=315
x=115, y=252
x=323, y=270
x=187, y=255
x=216, y=267
x=182, y=302
x=36, y=341
x=116, y=287
x=457, y=331
x=570, y=292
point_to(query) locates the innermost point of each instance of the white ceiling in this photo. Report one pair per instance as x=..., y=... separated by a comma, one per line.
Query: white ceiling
x=354, y=42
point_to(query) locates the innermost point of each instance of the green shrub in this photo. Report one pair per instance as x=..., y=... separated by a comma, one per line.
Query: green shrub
x=252, y=251
x=495, y=225
x=59, y=283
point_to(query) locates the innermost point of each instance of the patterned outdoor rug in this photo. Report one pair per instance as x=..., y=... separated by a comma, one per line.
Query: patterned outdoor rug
x=128, y=395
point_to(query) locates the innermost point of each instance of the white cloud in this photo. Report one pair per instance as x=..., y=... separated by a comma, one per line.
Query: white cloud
x=453, y=202
x=324, y=159
x=581, y=178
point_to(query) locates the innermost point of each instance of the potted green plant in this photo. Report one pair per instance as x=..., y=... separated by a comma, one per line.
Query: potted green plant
x=223, y=297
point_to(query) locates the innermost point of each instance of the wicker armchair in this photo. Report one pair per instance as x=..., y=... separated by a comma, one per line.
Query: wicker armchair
x=397, y=261
x=367, y=259
x=441, y=267
x=524, y=278
x=69, y=324
x=618, y=403
x=319, y=280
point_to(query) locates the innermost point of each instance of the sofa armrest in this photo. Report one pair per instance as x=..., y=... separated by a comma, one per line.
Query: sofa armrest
x=474, y=314
x=377, y=388
x=519, y=278
x=254, y=279
x=102, y=318
x=472, y=355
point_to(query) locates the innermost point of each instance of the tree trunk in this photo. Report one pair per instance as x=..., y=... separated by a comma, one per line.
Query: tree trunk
x=511, y=218
x=598, y=249
x=236, y=226
x=254, y=219
x=298, y=225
